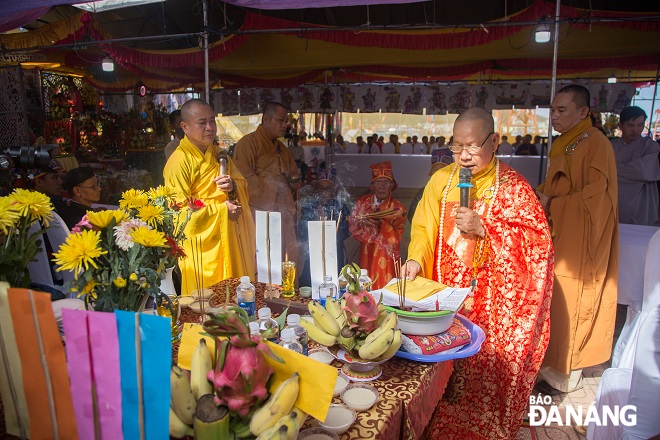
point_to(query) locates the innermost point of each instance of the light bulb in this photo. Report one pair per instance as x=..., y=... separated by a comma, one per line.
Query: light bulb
x=542, y=34
x=611, y=80
x=108, y=64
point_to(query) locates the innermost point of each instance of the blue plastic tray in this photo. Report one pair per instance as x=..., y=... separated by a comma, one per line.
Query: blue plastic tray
x=477, y=338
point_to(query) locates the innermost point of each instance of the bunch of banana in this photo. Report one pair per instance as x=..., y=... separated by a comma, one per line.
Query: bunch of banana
x=186, y=391
x=278, y=418
x=330, y=327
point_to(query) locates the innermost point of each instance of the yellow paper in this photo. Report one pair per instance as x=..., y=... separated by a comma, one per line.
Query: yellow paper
x=189, y=341
x=418, y=289
x=317, y=380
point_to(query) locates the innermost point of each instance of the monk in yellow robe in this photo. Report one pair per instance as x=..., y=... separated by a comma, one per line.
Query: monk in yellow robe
x=223, y=228
x=272, y=173
x=579, y=196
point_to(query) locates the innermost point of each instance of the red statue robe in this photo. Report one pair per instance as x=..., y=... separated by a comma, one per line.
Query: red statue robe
x=379, y=245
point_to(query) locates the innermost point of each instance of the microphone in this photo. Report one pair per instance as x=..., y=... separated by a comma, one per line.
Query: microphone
x=465, y=183
x=222, y=160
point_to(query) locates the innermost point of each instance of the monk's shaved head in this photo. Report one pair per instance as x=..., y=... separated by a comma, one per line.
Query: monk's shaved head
x=188, y=106
x=477, y=117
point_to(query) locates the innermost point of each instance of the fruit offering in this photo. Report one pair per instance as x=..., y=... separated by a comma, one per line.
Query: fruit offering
x=358, y=322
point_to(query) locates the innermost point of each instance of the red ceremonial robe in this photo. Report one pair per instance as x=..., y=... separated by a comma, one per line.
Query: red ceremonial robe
x=488, y=393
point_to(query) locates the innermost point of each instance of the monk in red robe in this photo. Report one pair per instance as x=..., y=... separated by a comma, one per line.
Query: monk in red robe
x=502, y=243
x=377, y=222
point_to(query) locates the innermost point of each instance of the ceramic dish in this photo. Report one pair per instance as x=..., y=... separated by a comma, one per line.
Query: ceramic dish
x=339, y=419
x=185, y=301
x=202, y=293
x=477, y=337
x=306, y=292
x=423, y=323
x=359, y=396
x=196, y=306
x=321, y=355
x=317, y=434
x=341, y=384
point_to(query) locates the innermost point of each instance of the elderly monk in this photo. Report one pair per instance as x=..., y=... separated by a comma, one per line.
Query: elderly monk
x=579, y=196
x=225, y=230
x=379, y=237
x=501, y=244
x=271, y=172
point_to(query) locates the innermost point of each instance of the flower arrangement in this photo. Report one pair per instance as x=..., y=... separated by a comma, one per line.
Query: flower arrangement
x=119, y=256
x=17, y=213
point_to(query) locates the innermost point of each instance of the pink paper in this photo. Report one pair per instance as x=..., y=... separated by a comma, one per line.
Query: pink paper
x=105, y=360
x=78, y=363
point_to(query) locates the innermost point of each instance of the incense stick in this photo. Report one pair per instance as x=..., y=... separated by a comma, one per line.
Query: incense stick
x=338, y=219
x=323, y=246
x=270, y=279
x=138, y=367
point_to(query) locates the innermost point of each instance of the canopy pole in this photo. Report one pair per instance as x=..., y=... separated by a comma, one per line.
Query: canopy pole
x=655, y=90
x=205, y=7
x=553, y=86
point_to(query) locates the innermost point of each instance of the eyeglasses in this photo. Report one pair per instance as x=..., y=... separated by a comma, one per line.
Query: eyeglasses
x=97, y=186
x=472, y=149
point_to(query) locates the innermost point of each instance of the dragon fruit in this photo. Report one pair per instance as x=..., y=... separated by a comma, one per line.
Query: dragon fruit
x=241, y=372
x=361, y=307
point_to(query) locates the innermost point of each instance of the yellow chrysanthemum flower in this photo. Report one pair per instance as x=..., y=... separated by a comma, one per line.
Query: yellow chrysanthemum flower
x=148, y=237
x=119, y=282
x=102, y=219
x=151, y=214
x=79, y=251
x=160, y=191
x=8, y=214
x=34, y=204
x=88, y=289
x=133, y=198
x=133, y=277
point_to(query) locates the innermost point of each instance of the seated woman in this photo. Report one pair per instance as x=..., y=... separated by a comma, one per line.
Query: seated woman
x=84, y=189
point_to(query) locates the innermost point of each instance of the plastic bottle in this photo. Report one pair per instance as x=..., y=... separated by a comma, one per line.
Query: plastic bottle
x=254, y=328
x=290, y=341
x=293, y=322
x=245, y=296
x=365, y=281
x=267, y=323
x=342, y=285
x=327, y=289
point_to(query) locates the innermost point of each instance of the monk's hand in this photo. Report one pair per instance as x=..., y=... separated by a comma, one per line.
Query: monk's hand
x=224, y=182
x=233, y=210
x=543, y=200
x=410, y=270
x=469, y=222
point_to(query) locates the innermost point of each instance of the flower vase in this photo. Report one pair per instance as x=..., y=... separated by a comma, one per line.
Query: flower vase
x=167, y=285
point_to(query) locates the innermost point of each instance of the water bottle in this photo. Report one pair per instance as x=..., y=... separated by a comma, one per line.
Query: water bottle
x=293, y=322
x=290, y=341
x=364, y=280
x=254, y=328
x=342, y=285
x=327, y=289
x=266, y=323
x=245, y=297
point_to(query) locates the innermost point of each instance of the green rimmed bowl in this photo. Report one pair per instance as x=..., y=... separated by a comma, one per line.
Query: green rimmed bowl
x=423, y=323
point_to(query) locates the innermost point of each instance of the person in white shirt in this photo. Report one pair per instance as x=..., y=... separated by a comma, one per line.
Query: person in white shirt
x=418, y=148
x=637, y=170
x=505, y=148
x=370, y=147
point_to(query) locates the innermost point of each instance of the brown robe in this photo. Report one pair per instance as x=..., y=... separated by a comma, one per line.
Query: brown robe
x=268, y=165
x=585, y=233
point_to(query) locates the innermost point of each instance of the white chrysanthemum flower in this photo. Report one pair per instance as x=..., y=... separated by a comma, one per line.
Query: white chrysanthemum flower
x=123, y=233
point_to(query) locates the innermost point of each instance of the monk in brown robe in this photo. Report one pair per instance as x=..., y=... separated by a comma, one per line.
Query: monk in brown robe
x=579, y=196
x=271, y=172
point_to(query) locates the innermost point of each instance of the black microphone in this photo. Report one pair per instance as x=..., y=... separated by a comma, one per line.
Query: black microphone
x=465, y=183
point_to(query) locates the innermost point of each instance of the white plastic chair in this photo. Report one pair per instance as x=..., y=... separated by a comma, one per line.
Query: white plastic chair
x=623, y=354
x=352, y=148
x=406, y=148
x=637, y=386
x=389, y=148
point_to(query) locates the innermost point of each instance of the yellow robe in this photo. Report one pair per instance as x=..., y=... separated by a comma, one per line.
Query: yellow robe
x=228, y=247
x=268, y=165
x=585, y=234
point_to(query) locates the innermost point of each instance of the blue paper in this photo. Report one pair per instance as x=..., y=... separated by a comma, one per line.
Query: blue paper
x=128, y=368
x=156, y=337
